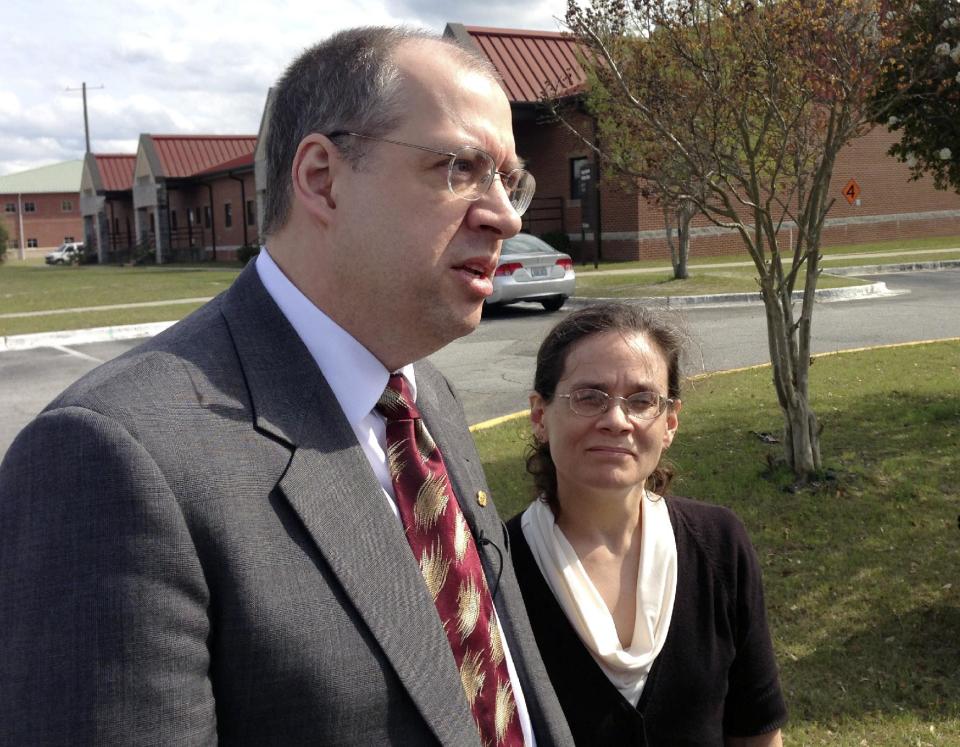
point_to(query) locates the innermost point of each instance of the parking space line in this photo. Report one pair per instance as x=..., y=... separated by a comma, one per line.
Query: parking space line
x=77, y=354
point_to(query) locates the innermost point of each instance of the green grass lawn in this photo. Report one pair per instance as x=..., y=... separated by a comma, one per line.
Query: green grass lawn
x=31, y=285
x=37, y=287
x=862, y=574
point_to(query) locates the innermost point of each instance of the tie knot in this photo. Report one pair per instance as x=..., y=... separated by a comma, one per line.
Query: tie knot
x=396, y=402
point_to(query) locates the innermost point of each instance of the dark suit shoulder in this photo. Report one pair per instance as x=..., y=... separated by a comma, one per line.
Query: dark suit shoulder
x=197, y=343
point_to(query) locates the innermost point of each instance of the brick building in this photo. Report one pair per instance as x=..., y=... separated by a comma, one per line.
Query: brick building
x=106, y=204
x=41, y=207
x=194, y=196
x=533, y=63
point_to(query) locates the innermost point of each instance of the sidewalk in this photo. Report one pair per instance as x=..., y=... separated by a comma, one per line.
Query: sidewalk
x=133, y=331
x=824, y=258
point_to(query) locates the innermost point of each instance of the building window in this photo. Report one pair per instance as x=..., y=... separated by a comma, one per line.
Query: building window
x=206, y=216
x=68, y=239
x=227, y=215
x=29, y=207
x=66, y=206
x=10, y=207
x=14, y=243
x=31, y=244
x=251, y=213
x=173, y=220
x=191, y=217
x=116, y=225
x=153, y=223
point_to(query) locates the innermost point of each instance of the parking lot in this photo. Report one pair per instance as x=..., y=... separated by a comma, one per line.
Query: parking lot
x=492, y=368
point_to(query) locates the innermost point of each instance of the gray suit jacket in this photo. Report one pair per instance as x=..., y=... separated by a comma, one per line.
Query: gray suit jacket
x=194, y=548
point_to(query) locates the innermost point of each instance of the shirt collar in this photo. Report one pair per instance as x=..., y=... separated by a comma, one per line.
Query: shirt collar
x=354, y=374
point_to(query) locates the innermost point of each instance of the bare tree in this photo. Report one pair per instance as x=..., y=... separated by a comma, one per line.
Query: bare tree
x=756, y=99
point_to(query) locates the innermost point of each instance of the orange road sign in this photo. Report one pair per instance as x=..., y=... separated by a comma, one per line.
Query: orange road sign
x=851, y=191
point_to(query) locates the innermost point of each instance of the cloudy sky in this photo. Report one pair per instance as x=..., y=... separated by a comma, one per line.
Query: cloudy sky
x=193, y=67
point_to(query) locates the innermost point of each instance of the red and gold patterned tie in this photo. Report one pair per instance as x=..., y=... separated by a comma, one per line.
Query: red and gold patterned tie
x=445, y=549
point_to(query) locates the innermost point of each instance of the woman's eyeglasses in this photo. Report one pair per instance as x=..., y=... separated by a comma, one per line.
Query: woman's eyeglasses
x=592, y=402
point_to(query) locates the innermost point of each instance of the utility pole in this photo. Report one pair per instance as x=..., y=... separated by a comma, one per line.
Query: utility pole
x=86, y=123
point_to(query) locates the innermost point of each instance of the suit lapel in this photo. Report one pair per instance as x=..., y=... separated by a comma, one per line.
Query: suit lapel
x=331, y=487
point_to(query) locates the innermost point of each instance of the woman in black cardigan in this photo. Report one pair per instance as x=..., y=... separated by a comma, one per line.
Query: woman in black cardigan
x=648, y=611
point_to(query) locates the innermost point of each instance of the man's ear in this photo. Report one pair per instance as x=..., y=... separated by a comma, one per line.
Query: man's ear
x=314, y=167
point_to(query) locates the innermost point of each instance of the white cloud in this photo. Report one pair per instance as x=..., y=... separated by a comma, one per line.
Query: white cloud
x=201, y=66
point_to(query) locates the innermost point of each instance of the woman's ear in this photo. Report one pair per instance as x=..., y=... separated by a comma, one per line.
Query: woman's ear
x=537, y=419
x=673, y=422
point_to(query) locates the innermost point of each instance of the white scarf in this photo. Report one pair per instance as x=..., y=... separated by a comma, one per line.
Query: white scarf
x=626, y=668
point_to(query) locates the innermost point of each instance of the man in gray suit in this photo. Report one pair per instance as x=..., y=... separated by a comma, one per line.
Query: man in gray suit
x=199, y=541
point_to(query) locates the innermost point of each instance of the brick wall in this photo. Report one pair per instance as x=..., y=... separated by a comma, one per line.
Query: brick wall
x=49, y=223
x=891, y=206
x=191, y=201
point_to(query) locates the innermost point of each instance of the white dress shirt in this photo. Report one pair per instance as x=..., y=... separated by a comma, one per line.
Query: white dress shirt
x=357, y=379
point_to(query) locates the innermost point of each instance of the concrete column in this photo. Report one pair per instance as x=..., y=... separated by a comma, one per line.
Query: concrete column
x=103, y=235
x=162, y=222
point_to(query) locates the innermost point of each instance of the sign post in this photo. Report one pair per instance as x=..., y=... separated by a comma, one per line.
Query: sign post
x=588, y=209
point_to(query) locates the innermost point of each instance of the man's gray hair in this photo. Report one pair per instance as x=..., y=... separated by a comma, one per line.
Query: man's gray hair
x=348, y=82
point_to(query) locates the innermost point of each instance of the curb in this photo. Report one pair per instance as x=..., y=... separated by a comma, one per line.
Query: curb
x=944, y=264
x=134, y=331
x=82, y=336
x=732, y=299
x=485, y=424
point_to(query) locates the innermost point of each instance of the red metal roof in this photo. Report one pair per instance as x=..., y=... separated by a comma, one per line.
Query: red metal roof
x=189, y=155
x=116, y=170
x=236, y=163
x=532, y=64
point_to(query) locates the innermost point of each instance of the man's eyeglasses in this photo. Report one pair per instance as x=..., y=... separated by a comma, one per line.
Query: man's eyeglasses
x=471, y=171
x=593, y=402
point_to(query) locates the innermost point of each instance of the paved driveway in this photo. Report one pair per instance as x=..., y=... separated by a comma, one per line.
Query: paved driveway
x=493, y=367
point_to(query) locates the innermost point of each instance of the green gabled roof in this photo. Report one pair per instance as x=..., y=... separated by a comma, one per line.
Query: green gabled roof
x=58, y=177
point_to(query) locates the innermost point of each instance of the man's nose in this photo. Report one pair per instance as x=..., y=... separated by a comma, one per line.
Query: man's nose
x=494, y=212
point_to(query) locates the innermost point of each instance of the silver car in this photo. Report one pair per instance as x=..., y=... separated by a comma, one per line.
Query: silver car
x=532, y=270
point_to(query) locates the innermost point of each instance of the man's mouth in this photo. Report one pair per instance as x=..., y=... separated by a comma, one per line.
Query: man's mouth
x=478, y=268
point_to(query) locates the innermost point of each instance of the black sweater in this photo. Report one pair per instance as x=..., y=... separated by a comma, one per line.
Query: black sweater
x=716, y=674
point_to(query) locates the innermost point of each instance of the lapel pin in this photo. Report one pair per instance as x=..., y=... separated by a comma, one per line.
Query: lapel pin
x=481, y=498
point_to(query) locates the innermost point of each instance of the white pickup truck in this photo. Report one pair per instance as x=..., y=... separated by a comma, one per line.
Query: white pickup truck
x=65, y=254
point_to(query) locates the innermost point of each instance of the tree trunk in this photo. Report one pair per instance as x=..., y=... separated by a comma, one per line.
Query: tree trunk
x=680, y=250
x=685, y=214
x=788, y=343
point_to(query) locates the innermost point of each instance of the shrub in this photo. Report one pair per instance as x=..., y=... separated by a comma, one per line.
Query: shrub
x=248, y=252
x=558, y=240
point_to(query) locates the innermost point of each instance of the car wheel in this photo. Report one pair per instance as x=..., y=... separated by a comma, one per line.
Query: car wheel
x=554, y=303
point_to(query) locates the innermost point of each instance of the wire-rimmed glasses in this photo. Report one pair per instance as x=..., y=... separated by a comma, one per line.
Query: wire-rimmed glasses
x=592, y=402
x=471, y=171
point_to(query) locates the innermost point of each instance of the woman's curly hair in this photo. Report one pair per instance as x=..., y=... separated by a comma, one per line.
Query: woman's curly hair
x=661, y=327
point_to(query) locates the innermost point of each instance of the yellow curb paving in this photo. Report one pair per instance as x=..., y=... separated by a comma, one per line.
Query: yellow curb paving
x=699, y=377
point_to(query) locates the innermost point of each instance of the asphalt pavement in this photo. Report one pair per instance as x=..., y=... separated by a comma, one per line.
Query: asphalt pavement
x=493, y=367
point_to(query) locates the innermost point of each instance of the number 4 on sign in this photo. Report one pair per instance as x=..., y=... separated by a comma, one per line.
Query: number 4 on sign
x=851, y=191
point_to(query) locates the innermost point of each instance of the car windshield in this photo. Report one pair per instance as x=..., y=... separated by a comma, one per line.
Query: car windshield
x=524, y=243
